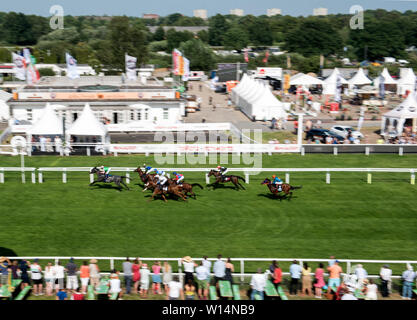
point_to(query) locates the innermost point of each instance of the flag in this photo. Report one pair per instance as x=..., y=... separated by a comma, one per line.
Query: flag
x=178, y=63
x=186, y=74
x=32, y=74
x=246, y=55
x=131, y=67
x=337, y=96
x=382, y=86
x=72, y=71
x=19, y=66
x=265, y=60
x=360, y=122
x=288, y=62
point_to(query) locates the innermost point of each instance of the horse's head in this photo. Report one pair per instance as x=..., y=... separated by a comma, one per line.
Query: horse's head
x=211, y=173
x=138, y=170
x=94, y=170
x=266, y=181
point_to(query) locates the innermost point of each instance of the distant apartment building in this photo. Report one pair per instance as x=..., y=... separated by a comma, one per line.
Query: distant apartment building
x=237, y=12
x=200, y=13
x=320, y=12
x=151, y=16
x=273, y=12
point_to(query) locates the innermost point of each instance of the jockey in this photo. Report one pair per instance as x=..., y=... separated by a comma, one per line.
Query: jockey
x=222, y=170
x=161, y=176
x=178, y=177
x=105, y=170
x=149, y=169
x=277, y=181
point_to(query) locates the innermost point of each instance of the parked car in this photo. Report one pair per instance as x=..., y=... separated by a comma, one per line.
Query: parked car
x=322, y=134
x=221, y=89
x=343, y=131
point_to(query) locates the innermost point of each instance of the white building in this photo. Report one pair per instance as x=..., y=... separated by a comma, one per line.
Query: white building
x=273, y=12
x=320, y=12
x=201, y=13
x=237, y=12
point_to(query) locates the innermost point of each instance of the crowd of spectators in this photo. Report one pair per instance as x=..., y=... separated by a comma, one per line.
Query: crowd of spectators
x=70, y=282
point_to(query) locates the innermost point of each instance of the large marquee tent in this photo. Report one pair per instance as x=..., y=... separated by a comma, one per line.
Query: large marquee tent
x=395, y=119
x=406, y=82
x=330, y=83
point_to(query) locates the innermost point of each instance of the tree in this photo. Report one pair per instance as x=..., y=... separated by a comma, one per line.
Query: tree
x=175, y=38
x=159, y=34
x=69, y=35
x=236, y=38
x=203, y=35
x=218, y=26
x=200, y=54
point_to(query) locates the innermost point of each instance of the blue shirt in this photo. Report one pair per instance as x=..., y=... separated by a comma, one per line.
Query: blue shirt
x=295, y=271
x=409, y=275
x=3, y=268
x=219, y=269
x=61, y=295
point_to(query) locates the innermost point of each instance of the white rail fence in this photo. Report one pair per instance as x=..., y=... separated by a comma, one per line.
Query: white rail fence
x=242, y=274
x=126, y=171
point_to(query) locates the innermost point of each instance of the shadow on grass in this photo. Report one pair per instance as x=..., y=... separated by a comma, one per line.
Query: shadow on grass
x=6, y=252
x=107, y=186
x=221, y=186
x=276, y=197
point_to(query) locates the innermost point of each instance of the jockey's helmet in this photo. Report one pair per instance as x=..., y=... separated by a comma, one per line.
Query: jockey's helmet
x=174, y=173
x=274, y=176
x=148, y=167
x=218, y=167
x=102, y=167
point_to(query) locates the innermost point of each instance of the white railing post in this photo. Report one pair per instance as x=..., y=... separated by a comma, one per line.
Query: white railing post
x=40, y=177
x=88, y=151
x=64, y=175
x=303, y=151
x=348, y=267
x=242, y=270
x=179, y=270
x=400, y=151
x=369, y=178
x=61, y=152
x=247, y=177
x=127, y=176
x=33, y=174
x=413, y=177
x=91, y=177
x=115, y=153
x=328, y=177
x=287, y=177
x=111, y=264
x=23, y=176
x=207, y=178
x=367, y=149
x=335, y=151
x=147, y=153
x=1, y=175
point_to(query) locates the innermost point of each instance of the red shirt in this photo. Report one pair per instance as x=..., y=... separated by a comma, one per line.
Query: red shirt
x=277, y=275
x=78, y=296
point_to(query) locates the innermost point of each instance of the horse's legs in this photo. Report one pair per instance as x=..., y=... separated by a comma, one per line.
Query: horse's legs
x=120, y=187
x=163, y=196
x=124, y=185
x=153, y=195
x=241, y=186
x=93, y=183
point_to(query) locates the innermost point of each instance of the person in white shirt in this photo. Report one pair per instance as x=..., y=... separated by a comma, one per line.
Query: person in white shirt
x=202, y=275
x=59, y=275
x=114, y=285
x=385, y=273
x=219, y=269
x=258, y=283
x=58, y=144
x=175, y=291
x=42, y=141
x=361, y=274
x=36, y=273
x=371, y=290
x=189, y=265
x=349, y=295
x=49, y=278
x=144, y=280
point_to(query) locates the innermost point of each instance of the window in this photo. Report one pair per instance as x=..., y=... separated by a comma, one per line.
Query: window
x=146, y=114
x=165, y=115
x=29, y=114
x=132, y=115
x=139, y=115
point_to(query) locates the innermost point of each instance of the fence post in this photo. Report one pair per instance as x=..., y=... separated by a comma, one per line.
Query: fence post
x=127, y=176
x=348, y=267
x=1, y=175
x=367, y=149
x=303, y=151
x=247, y=177
x=61, y=152
x=335, y=151
x=147, y=154
x=23, y=176
x=111, y=264
x=40, y=177
x=33, y=176
x=64, y=175
x=328, y=177
x=413, y=177
x=179, y=270
x=91, y=177
x=242, y=271
x=88, y=151
x=115, y=153
x=369, y=178
x=400, y=151
x=207, y=179
x=287, y=177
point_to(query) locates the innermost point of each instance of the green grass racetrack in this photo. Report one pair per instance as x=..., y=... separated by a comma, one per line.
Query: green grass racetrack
x=347, y=218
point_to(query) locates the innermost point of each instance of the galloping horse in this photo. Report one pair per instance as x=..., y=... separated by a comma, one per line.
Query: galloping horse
x=101, y=177
x=229, y=178
x=286, y=188
x=186, y=188
x=169, y=189
x=146, y=178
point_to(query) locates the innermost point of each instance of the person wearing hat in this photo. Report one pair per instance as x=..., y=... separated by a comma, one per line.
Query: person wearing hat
x=278, y=182
x=189, y=265
x=4, y=270
x=94, y=273
x=144, y=281
x=408, y=277
x=348, y=295
x=385, y=274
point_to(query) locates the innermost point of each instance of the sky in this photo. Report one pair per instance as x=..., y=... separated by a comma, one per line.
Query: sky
x=186, y=7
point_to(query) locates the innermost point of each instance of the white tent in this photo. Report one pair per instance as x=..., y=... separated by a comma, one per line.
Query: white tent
x=394, y=120
x=359, y=79
x=330, y=83
x=88, y=125
x=387, y=78
x=304, y=80
x=4, y=107
x=406, y=82
x=49, y=124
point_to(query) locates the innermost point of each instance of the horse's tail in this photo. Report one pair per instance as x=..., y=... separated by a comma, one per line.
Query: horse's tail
x=295, y=188
x=198, y=185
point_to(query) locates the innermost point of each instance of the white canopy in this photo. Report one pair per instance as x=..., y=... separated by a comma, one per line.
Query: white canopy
x=396, y=117
x=330, y=83
x=407, y=82
x=359, y=79
x=48, y=124
x=387, y=78
x=305, y=80
x=87, y=125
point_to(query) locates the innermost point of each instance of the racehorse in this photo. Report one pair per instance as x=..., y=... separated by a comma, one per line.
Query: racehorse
x=285, y=187
x=230, y=178
x=169, y=189
x=186, y=188
x=146, y=178
x=101, y=177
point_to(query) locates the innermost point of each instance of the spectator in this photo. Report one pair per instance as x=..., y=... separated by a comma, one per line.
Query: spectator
x=332, y=261
x=258, y=283
x=94, y=273
x=42, y=141
x=371, y=290
x=156, y=278
x=127, y=274
x=273, y=123
x=84, y=276
x=348, y=295
x=319, y=281
x=144, y=280
x=59, y=276
x=115, y=286
x=329, y=140
x=58, y=144
x=361, y=274
x=167, y=275
x=136, y=275
x=36, y=274
x=189, y=265
x=189, y=290
x=207, y=265
x=49, y=279
x=228, y=272
x=272, y=266
x=277, y=274
x=306, y=280
x=175, y=291
x=61, y=294
x=72, y=279
x=77, y=295
x=14, y=268
x=219, y=269
x=335, y=271
x=4, y=271
x=408, y=278
x=385, y=274
x=295, y=271
x=202, y=276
